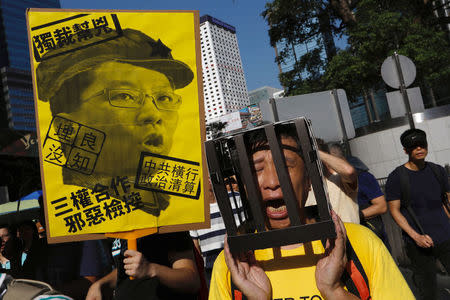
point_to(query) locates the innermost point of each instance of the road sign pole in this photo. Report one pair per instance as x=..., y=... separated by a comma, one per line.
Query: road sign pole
x=403, y=90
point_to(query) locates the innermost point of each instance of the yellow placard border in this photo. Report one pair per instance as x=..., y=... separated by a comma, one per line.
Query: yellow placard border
x=160, y=229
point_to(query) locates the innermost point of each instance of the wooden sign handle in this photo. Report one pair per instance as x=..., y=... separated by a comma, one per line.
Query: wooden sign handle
x=132, y=236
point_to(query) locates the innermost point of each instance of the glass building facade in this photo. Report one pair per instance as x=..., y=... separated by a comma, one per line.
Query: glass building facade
x=17, y=103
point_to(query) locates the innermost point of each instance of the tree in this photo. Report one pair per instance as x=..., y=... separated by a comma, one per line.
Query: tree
x=215, y=129
x=296, y=22
x=375, y=29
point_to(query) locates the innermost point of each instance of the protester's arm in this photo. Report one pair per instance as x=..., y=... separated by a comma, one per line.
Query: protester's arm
x=182, y=276
x=343, y=168
x=95, y=291
x=423, y=241
x=329, y=269
x=378, y=206
x=197, y=245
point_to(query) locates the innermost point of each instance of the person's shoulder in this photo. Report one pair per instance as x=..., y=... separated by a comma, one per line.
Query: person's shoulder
x=359, y=233
x=365, y=176
x=363, y=240
x=436, y=166
x=356, y=229
x=395, y=172
x=220, y=266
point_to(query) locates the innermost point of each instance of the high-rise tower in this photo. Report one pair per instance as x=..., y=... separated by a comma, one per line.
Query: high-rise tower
x=224, y=86
x=16, y=100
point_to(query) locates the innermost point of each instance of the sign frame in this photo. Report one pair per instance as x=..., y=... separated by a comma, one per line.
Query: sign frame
x=160, y=229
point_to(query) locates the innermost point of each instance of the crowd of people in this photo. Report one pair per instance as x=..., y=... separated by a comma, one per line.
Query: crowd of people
x=167, y=266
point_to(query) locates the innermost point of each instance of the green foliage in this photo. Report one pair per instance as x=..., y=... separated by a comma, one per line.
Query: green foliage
x=375, y=29
x=215, y=129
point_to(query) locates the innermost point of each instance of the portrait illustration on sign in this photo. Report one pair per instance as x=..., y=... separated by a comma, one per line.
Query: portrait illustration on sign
x=118, y=113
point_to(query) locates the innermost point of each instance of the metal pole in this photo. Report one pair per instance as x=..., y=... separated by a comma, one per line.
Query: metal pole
x=403, y=90
x=341, y=121
x=274, y=109
x=366, y=104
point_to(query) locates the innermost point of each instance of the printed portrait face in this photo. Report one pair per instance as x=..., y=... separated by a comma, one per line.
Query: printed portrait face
x=269, y=185
x=135, y=107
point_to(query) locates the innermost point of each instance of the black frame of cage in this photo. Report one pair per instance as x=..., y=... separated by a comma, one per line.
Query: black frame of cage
x=256, y=235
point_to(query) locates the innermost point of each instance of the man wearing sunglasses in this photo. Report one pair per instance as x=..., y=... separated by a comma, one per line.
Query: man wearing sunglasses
x=427, y=188
x=125, y=88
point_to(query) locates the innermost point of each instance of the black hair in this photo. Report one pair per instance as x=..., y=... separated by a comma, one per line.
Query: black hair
x=257, y=140
x=411, y=133
x=338, y=148
x=413, y=138
x=322, y=145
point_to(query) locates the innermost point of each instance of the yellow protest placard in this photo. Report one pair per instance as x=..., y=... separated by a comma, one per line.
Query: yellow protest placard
x=119, y=109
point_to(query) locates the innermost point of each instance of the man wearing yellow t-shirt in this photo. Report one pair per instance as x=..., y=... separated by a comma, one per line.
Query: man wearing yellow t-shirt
x=301, y=271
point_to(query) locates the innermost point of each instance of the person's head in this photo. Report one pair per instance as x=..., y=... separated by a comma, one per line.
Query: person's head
x=268, y=183
x=125, y=88
x=414, y=142
x=10, y=247
x=27, y=233
x=231, y=181
x=5, y=235
x=336, y=150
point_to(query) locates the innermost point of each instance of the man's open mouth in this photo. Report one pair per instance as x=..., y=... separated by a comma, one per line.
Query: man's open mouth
x=276, y=209
x=154, y=143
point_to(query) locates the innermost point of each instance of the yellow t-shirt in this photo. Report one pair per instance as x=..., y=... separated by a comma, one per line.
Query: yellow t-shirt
x=292, y=272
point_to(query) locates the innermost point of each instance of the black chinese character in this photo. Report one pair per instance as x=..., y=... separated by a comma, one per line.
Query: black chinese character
x=175, y=184
x=81, y=197
x=56, y=153
x=65, y=131
x=189, y=187
x=101, y=192
x=63, y=36
x=134, y=199
x=150, y=165
x=80, y=162
x=178, y=171
x=94, y=215
x=82, y=31
x=44, y=42
x=59, y=205
x=164, y=166
x=113, y=209
x=74, y=222
x=191, y=174
x=146, y=179
x=161, y=179
x=101, y=23
x=123, y=181
x=89, y=140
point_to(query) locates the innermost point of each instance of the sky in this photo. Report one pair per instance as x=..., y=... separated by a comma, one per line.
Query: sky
x=258, y=57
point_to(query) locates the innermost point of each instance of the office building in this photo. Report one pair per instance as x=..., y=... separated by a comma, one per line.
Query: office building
x=224, y=86
x=16, y=101
x=264, y=93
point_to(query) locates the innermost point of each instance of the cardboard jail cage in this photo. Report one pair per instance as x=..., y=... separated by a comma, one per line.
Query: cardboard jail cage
x=228, y=159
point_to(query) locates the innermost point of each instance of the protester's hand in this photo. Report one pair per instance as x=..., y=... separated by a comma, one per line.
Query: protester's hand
x=424, y=241
x=247, y=275
x=329, y=269
x=136, y=265
x=94, y=292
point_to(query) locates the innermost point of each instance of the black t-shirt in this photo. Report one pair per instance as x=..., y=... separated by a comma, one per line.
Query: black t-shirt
x=155, y=248
x=426, y=202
